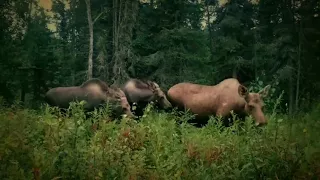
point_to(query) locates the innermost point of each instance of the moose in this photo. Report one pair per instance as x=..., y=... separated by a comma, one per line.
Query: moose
x=228, y=95
x=142, y=92
x=94, y=91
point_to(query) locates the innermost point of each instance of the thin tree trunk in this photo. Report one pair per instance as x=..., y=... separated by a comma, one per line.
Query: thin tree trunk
x=74, y=57
x=298, y=69
x=114, y=24
x=234, y=72
x=289, y=19
x=291, y=92
x=255, y=55
x=115, y=39
x=209, y=29
x=124, y=17
x=90, y=24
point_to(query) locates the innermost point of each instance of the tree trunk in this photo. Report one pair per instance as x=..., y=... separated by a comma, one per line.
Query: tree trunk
x=90, y=24
x=124, y=18
x=115, y=39
x=288, y=18
x=298, y=69
x=209, y=30
x=234, y=72
x=255, y=55
x=23, y=87
x=291, y=92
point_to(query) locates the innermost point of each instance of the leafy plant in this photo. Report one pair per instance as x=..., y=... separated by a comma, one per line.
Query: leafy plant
x=45, y=144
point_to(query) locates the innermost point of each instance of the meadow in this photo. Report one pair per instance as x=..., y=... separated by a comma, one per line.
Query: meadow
x=44, y=144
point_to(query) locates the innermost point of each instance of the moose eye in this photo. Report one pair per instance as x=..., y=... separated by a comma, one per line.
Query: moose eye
x=251, y=107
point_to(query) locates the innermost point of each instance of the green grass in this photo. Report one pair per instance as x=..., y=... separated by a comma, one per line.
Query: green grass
x=46, y=145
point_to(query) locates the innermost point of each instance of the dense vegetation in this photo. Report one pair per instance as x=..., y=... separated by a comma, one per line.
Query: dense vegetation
x=258, y=42
x=39, y=144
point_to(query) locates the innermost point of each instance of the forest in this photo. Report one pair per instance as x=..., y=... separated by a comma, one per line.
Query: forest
x=258, y=42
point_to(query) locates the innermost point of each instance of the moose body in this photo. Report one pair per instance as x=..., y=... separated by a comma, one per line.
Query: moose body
x=94, y=91
x=143, y=92
x=62, y=96
x=229, y=95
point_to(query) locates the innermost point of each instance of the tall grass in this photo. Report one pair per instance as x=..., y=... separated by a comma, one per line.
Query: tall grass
x=48, y=145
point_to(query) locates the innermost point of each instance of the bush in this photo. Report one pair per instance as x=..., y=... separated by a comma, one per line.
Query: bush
x=48, y=145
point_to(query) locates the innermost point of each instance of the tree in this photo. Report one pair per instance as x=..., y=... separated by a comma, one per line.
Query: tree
x=165, y=41
x=124, y=18
x=233, y=38
x=90, y=25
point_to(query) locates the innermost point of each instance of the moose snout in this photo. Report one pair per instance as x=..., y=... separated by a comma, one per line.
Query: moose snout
x=261, y=121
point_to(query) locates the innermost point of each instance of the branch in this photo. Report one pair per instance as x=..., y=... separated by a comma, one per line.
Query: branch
x=98, y=17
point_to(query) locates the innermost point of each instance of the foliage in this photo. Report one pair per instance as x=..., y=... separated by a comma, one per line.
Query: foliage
x=258, y=42
x=165, y=41
x=50, y=145
x=181, y=53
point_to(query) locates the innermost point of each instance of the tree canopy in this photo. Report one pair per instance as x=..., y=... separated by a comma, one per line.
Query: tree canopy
x=206, y=41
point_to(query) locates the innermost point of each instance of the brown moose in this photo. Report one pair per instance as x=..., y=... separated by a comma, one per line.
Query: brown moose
x=219, y=100
x=94, y=91
x=143, y=92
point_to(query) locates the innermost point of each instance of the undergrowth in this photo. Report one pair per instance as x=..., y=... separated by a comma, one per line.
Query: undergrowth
x=49, y=145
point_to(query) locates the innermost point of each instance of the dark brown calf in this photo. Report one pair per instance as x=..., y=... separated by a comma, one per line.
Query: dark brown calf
x=94, y=91
x=143, y=92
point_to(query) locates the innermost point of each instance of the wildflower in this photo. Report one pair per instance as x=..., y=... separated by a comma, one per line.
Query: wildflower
x=10, y=115
x=126, y=133
x=36, y=173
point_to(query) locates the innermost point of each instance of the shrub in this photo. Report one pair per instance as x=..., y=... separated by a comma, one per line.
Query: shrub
x=46, y=144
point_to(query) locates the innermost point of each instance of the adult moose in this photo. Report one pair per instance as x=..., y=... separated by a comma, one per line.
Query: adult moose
x=94, y=91
x=143, y=92
x=219, y=100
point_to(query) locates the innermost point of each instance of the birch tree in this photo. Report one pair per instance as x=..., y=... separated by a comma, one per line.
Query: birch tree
x=90, y=24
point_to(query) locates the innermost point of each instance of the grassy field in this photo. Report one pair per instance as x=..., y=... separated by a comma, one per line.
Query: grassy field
x=45, y=145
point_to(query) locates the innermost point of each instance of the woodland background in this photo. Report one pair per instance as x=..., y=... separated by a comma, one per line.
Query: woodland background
x=205, y=41
x=262, y=42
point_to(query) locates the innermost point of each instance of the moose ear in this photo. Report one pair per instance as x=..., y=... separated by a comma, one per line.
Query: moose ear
x=120, y=93
x=152, y=86
x=243, y=91
x=264, y=92
x=149, y=83
x=155, y=85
